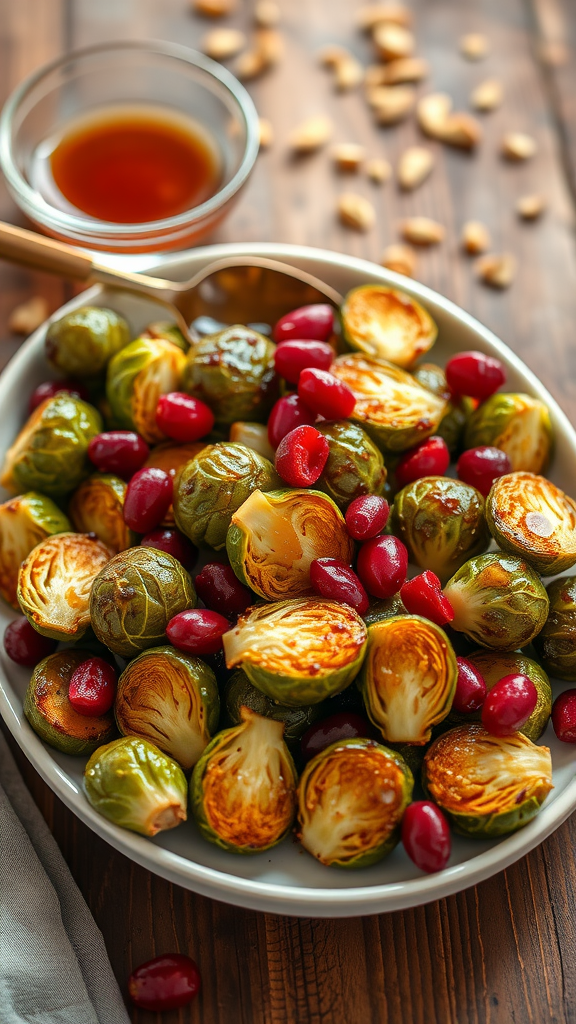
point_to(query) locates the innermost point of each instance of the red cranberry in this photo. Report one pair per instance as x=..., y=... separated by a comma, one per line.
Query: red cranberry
x=344, y=725
x=55, y=387
x=164, y=983
x=24, y=645
x=325, y=394
x=292, y=357
x=474, y=374
x=423, y=596
x=314, y=322
x=480, y=467
x=470, y=688
x=288, y=413
x=197, y=631
x=148, y=498
x=301, y=456
x=564, y=716
x=183, y=417
x=93, y=687
x=172, y=541
x=221, y=590
x=426, y=836
x=429, y=458
x=122, y=452
x=382, y=566
x=367, y=516
x=336, y=581
x=509, y=704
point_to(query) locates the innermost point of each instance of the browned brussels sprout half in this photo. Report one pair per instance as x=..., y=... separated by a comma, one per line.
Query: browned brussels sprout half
x=24, y=522
x=51, y=714
x=487, y=785
x=532, y=518
x=82, y=343
x=517, y=424
x=136, y=377
x=355, y=465
x=387, y=323
x=556, y=642
x=97, y=507
x=233, y=372
x=351, y=798
x=493, y=667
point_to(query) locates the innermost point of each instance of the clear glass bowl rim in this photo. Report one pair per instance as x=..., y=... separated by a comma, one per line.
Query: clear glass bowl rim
x=39, y=209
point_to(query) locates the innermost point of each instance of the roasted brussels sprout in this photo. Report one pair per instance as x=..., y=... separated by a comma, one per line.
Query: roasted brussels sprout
x=351, y=798
x=136, y=378
x=133, y=784
x=134, y=597
x=50, y=453
x=97, y=507
x=213, y=485
x=498, y=601
x=170, y=699
x=239, y=692
x=298, y=652
x=54, y=584
x=408, y=678
x=487, y=785
x=24, y=522
x=531, y=517
x=441, y=522
x=391, y=406
x=243, y=791
x=51, y=714
x=493, y=667
x=163, y=330
x=252, y=435
x=517, y=424
x=384, y=608
x=171, y=457
x=82, y=343
x=453, y=422
x=273, y=538
x=432, y=376
x=233, y=372
x=556, y=642
x=387, y=324
x=355, y=465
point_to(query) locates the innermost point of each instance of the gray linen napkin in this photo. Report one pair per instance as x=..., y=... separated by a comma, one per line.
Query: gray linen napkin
x=53, y=963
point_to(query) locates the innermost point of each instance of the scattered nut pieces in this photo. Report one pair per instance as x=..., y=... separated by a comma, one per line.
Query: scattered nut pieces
x=392, y=41
x=329, y=56
x=415, y=165
x=223, y=43
x=356, y=211
x=530, y=207
x=518, y=146
x=250, y=64
x=436, y=119
x=266, y=13
x=422, y=231
x=270, y=44
x=379, y=170
x=311, y=134
x=348, y=156
x=475, y=237
x=488, y=95
x=461, y=130
x=374, y=14
x=348, y=73
x=266, y=132
x=375, y=75
x=213, y=8
x=26, y=317
x=497, y=270
x=391, y=103
x=405, y=69
x=474, y=46
x=400, y=258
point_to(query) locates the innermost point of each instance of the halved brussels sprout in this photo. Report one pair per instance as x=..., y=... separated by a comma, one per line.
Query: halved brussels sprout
x=213, y=485
x=453, y=422
x=493, y=667
x=298, y=652
x=82, y=343
x=233, y=372
x=531, y=517
x=351, y=798
x=134, y=597
x=432, y=376
x=384, y=608
x=24, y=522
x=54, y=584
x=498, y=601
x=133, y=784
x=408, y=678
x=517, y=424
x=556, y=642
x=51, y=714
x=441, y=522
x=171, y=457
x=243, y=791
x=355, y=465
x=273, y=539
x=97, y=507
x=391, y=406
x=387, y=323
x=164, y=330
x=252, y=435
x=170, y=699
x=50, y=454
x=137, y=376
x=487, y=785
x=239, y=692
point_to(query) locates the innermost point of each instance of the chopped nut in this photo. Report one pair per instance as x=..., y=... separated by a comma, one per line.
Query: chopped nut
x=266, y=132
x=497, y=270
x=436, y=119
x=400, y=258
x=405, y=69
x=223, y=43
x=348, y=156
x=422, y=231
x=392, y=41
x=518, y=146
x=530, y=207
x=311, y=134
x=331, y=55
x=391, y=103
x=348, y=73
x=373, y=14
x=461, y=130
x=488, y=95
x=414, y=166
x=266, y=13
x=213, y=8
x=250, y=64
x=379, y=170
x=475, y=237
x=474, y=46
x=270, y=44
x=356, y=211
x=432, y=112
x=26, y=317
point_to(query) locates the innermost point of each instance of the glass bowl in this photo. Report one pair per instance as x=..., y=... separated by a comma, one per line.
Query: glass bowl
x=144, y=74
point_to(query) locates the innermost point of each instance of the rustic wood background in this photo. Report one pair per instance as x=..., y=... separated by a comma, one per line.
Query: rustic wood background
x=506, y=950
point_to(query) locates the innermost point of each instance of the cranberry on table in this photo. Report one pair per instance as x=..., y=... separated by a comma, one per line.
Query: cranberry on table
x=367, y=516
x=344, y=725
x=92, y=687
x=301, y=456
x=165, y=983
x=49, y=388
x=480, y=467
x=291, y=357
x=429, y=458
x=288, y=413
x=326, y=394
x=220, y=589
x=197, y=631
x=183, y=417
x=423, y=596
x=509, y=704
x=336, y=581
x=382, y=566
x=470, y=688
x=315, y=322
x=426, y=836
x=24, y=645
x=148, y=498
x=474, y=374
x=122, y=452
x=172, y=541
x=564, y=716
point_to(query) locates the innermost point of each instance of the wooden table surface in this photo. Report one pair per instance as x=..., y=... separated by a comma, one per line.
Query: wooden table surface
x=504, y=951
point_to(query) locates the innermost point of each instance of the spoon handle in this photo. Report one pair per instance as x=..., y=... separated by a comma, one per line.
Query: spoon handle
x=33, y=250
